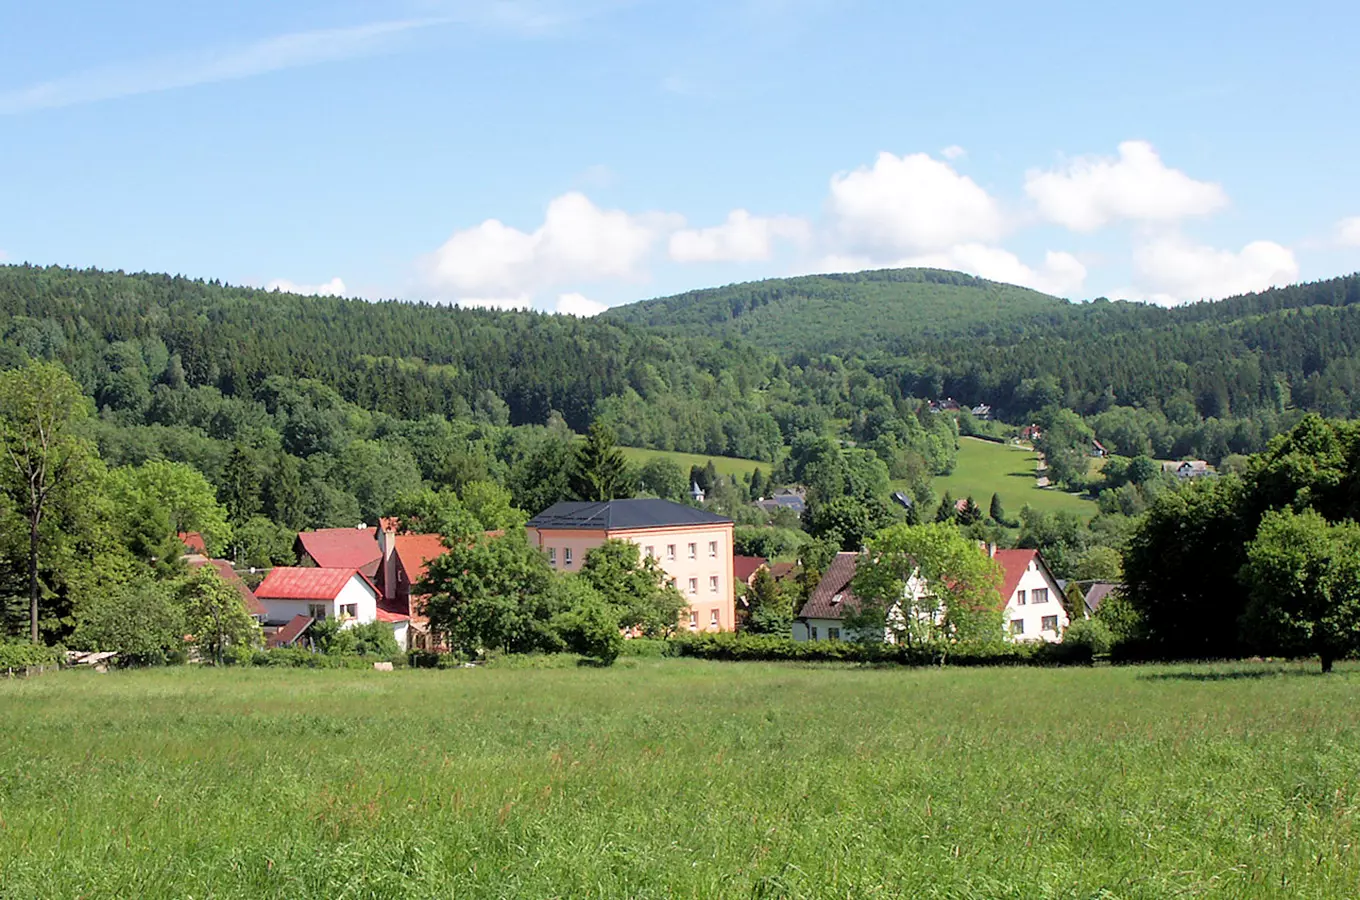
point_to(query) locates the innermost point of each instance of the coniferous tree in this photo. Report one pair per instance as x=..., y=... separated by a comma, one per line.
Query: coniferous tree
x=946, y=511
x=970, y=512
x=600, y=472
x=996, y=511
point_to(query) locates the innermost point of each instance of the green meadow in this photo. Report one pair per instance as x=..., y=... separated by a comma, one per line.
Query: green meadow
x=985, y=468
x=726, y=465
x=681, y=778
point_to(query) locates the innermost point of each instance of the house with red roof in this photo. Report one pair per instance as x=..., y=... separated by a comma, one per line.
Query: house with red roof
x=230, y=576
x=404, y=561
x=340, y=548
x=1029, y=595
x=317, y=593
x=744, y=568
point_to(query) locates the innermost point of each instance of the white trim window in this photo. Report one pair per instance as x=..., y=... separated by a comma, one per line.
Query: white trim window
x=670, y=551
x=713, y=549
x=317, y=611
x=713, y=584
x=694, y=585
x=1019, y=598
x=1038, y=595
x=1017, y=626
x=713, y=618
x=566, y=556
x=552, y=557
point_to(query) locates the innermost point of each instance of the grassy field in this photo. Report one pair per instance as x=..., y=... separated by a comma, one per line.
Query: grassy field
x=679, y=778
x=726, y=465
x=985, y=468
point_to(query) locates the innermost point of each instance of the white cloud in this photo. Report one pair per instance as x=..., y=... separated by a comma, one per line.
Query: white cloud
x=578, y=305
x=741, y=238
x=1172, y=270
x=1062, y=274
x=1347, y=232
x=1091, y=192
x=577, y=242
x=911, y=204
x=333, y=288
x=953, y=151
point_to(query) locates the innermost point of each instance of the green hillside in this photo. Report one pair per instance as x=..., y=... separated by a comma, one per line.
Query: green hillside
x=728, y=466
x=891, y=308
x=985, y=468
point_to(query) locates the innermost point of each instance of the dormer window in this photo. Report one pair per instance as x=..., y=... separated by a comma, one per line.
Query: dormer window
x=837, y=599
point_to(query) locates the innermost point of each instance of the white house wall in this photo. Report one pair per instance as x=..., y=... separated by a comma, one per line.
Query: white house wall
x=1032, y=614
x=356, y=591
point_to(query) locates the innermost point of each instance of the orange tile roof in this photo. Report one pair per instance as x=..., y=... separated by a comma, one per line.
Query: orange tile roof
x=299, y=583
x=224, y=569
x=416, y=551
x=342, y=548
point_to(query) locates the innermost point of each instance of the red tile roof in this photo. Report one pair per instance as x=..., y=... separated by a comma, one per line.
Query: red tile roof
x=415, y=552
x=299, y=583
x=389, y=616
x=743, y=567
x=1014, y=563
x=342, y=548
x=782, y=570
x=193, y=542
x=224, y=569
x=832, y=596
x=290, y=632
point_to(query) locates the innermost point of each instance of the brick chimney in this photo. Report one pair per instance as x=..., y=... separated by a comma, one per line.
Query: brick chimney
x=387, y=546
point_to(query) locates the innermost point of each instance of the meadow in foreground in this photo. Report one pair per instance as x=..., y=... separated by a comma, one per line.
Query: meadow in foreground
x=682, y=778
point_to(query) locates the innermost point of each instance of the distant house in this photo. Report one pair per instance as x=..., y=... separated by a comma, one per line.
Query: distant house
x=1031, y=433
x=903, y=500
x=744, y=568
x=1095, y=594
x=982, y=411
x=230, y=576
x=948, y=404
x=696, y=493
x=1098, y=449
x=793, y=499
x=193, y=542
x=692, y=546
x=782, y=571
x=1188, y=468
x=1032, y=607
x=317, y=593
x=340, y=548
x=405, y=559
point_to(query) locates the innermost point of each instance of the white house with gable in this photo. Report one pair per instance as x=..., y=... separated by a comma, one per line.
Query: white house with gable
x=1034, y=602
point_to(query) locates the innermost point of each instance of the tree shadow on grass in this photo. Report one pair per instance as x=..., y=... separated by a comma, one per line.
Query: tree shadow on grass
x=1237, y=675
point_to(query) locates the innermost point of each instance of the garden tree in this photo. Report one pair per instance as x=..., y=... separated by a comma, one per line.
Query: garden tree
x=435, y=511
x=260, y=543
x=136, y=616
x=492, y=506
x=813, y=559
x=846, y=520
x=376, y=472
x=634, y=587
x=1143, y=469
x=189, y=501
x=599, y=471
x=45, y=459
x=1181, y=563
x=587, y=625
x=239, y=489
x=927, y=583
x=970, y=512
x=665, y=479
x=1066, y=445
x=1316, y=465
x=766, y=541
x=947, y=510
x=1303, y=576
x=492, y=594
x=760, y=484
x=541, y=477
x=769, y=607
x=996, y=512
x=285, y=499
x=333, y=638
x=1059, y=536
x=1098, y=564
x=216, y=617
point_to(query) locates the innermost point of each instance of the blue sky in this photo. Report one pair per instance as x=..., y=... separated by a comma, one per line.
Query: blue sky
x=572, y=154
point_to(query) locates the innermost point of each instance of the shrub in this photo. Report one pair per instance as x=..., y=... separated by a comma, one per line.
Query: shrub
x=730, y=647
x=648, y=647
x=298, y=658
x=21, y=654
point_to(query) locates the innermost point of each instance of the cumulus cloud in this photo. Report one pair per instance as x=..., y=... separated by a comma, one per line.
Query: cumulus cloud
x=577, y=242
x=1173, y=270
x=741, y=238
x=1061, y=274
x=1091, y=191
x=1347, y=232
x=911, y=204
x=579, y=305
x=333, y=288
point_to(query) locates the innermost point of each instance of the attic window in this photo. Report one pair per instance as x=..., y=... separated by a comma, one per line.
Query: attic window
x=836, y=599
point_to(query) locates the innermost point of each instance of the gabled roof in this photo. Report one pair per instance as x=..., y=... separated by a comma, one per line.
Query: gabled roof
x=743, y=567
x=832, y=596
x=193, y=542
x=1097, y=592
x=385, y=615
x=620, y=515
x=224, y=569
x=306, y=583
x=415, y=552
x=342, y=548
x=289, y=633
x=1014, y=564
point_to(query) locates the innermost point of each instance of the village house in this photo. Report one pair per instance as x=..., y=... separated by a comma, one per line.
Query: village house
x=693, y=547
x=1095, y=593
x=294, y=597
x=1188, y=468
x=1033, y=608
x=402, y=566
x=744, y=568
x=340, y=548
x=1098, y=449
x=793, y=499
x=228, y=573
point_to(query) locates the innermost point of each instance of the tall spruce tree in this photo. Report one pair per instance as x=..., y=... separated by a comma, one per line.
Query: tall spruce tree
x=600, y=472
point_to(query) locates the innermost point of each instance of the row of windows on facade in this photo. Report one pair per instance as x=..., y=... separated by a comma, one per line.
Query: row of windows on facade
x=1036, y=596
x=693, y=550
x=832, y=634
x=318, y=610
x=1047, y=623
x=712, y=618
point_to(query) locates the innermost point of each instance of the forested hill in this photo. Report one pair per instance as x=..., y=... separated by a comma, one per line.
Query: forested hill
x=893, y=309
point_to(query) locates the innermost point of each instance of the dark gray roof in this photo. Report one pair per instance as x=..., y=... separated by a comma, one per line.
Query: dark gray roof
x=620, y=514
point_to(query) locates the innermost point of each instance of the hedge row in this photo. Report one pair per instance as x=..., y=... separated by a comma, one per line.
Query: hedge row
x=20, y=654
x=298, y=658
x=729, y=647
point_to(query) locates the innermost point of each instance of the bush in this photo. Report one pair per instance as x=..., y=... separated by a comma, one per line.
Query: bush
x=730, y=647
x=653, y=648
x=1087, y=639
x=428, y=659
x=298, y=658
x=21, y=654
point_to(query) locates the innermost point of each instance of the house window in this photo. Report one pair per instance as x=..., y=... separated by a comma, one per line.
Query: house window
x=713, y=548
x=1040, y=595
x=349, y=611
x=713, y=584
x=812, y=632
x=650, y=551
x=1019, y=598
x=693, y=550
x=694, y=585
x=316, y=610
x=713, y=618
x=1017, y=626
x=566, y=556
x=552, y=557
x=1049, y=623
x=693, y=619
x=670, y=551
x=833, y=634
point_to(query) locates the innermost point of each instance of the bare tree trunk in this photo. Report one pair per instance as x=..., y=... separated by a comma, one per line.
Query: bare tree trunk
x=33, y=581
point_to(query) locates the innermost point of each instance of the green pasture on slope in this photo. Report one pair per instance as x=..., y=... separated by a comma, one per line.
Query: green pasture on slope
x=985, y=468
x=726, y=465
x=681, y=778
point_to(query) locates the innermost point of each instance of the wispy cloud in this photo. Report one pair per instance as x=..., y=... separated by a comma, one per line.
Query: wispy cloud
x=287, y=51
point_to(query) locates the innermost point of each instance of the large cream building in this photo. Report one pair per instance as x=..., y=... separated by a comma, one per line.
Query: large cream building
x=693, y=548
